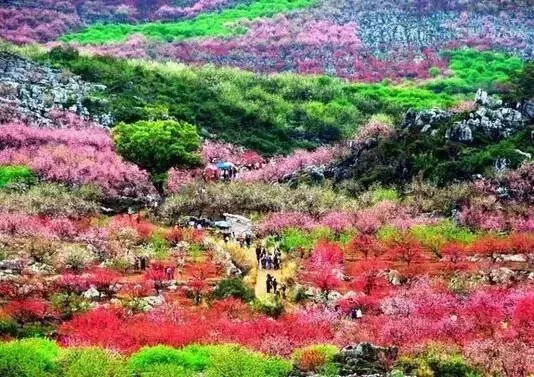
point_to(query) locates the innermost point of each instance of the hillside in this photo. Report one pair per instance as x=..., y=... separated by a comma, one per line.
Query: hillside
x=253, y=188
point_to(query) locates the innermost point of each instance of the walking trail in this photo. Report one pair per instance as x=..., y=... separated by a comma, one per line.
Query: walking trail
x=261, y=289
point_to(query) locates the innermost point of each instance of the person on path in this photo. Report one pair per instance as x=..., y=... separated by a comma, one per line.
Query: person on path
x=283, y=289
x=269, y=283
x=276, y=262
x=248, y=239
x=142, y=263
x=274, y=283
x=258, y=253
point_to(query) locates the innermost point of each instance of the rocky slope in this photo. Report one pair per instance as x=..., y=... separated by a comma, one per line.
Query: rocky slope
x=30, y=91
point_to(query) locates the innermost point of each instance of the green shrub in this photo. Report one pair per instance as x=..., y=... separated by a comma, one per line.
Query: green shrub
x=35, y=330
x=381, y=194
x=15, y=174
x=437, y=361
x=522, y=84
x=434, y=71
x=434, y=236
x=8, y=326
x=158, y=145
x=236, y=361
x=472, y=69
x=233, y=287
x=293, y=239
x=69, y=303
x=90, y=362
x=269, y=305
x=29, y=358
x=148, y=359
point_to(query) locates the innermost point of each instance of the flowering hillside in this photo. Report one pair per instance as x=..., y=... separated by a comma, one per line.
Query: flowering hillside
x=266, y=188
x=352, y=39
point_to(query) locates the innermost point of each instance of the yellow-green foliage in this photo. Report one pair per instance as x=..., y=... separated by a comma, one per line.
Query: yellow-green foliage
x=29, y=358
x=435, y=236
x=437, y=361
x=90, y=362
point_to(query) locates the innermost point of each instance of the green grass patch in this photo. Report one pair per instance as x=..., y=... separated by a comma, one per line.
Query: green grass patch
x=215, y=24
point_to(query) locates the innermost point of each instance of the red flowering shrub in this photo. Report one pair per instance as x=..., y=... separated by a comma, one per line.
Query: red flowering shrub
x=362, y=247
x=174, y=236
x=407, y=251
x=523, y=316
x=102, y=278
x=28, y=310
x=323, y=269
x=143, y=228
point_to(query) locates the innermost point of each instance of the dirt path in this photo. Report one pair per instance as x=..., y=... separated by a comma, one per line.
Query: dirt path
x=261, y=289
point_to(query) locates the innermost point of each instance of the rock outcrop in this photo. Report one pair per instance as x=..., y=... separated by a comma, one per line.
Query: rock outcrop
x=359, y=360
x=310, y=174
x=426, y=120
x=490, y=117
x=29, y=91
x=366, y=359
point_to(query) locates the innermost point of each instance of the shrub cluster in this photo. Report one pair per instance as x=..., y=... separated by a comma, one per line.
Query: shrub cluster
x=44, y=358
x=15, y=174
x=242, y=197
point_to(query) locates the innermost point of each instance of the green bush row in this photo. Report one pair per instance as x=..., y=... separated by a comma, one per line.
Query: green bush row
x=44, y=358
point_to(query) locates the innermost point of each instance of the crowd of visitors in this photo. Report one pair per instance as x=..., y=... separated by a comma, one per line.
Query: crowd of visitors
x=268, y=260
x=272, y=286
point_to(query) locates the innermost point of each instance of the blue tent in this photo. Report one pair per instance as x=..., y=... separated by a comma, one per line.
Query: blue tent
x=225, y=165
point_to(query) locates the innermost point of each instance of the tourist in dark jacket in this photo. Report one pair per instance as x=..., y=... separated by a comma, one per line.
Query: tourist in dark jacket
x=269, y=283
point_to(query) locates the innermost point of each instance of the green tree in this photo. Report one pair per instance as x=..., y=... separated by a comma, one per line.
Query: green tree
x=233, y=287
x=158, y=145
x=522, y=84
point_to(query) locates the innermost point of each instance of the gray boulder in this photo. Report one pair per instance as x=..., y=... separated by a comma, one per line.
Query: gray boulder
x=490, y=118
x=426, y=120
x=365, y=359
